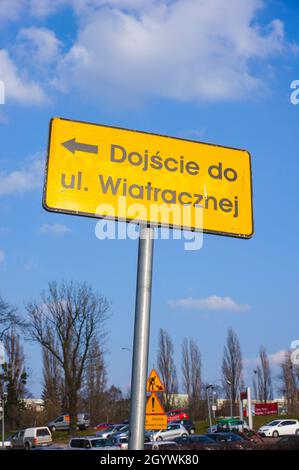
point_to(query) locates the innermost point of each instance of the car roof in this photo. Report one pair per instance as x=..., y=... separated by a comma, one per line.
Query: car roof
x=34, y=427
x=288, y=419
x=160, y=443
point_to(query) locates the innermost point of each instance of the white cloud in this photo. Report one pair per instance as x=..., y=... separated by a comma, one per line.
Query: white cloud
x=40, y=43
x=275, y=359
x=184, y=49
x=43, y=8
x=213, y=302
x=278, y=357
x=54, y=229
x=18, y=87
x=31, y=265
x=28, y=178
x=2, y=256
x=10, y=10
x=131, y=50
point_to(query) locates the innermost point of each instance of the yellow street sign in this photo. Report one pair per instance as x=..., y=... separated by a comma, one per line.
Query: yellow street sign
x=153, y=406
x=127, y=175
x=154, y=383
x=155, y=422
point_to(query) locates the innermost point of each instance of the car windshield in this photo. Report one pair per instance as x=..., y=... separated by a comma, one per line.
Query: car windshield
x=109, y=428
x=235, y=437
x=101, y=443
x=121, y=427
x=273, y=423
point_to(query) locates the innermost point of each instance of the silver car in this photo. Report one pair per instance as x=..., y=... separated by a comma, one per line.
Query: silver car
x=31, y=437
x=62, y=422
x=111, y=430
x=173, y=430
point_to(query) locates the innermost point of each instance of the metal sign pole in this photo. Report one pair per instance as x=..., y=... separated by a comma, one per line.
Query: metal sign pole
x=141, y=337
x=249, y=408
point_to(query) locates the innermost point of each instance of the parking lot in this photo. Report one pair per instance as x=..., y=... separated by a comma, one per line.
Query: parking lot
x=195, y=436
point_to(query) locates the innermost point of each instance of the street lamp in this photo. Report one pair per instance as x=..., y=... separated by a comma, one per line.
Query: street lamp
x=231, y=396
x=208, y=400
x=255, y=385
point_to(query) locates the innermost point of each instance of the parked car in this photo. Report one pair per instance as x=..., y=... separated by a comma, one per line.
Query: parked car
x=50, y=447
x=115, y=428
x=280, y=427
x=229, y=424
x=173, y=430
x=197, y=441
x=7, y=444
x=231, y=440
x=31, y=437
x=252, y=436
x=161, y=445
x=287, y=443
x=62, y=423
x=121, y=441
x=92, y=443
x=123, y=431
x=101, y=426
x=187, y=423
x=176, y=415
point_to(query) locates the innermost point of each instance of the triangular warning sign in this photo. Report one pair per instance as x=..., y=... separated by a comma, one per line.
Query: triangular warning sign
x=153, y=406
x=153, y=383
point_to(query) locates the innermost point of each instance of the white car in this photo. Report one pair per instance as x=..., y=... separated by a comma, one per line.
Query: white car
x=30, y=438
x=280, y=427
x=173, y=430
x=7, y=444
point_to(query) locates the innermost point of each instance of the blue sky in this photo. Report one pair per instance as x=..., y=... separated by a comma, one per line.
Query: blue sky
x=175, y=68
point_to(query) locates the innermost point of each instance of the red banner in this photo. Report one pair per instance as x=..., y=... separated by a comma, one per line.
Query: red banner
x=265, y=409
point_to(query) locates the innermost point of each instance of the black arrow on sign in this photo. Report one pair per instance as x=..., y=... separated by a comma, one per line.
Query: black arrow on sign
x=72, y=146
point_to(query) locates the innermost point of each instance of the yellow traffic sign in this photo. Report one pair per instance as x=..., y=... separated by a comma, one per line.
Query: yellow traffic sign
x=154, y=383
x=155, y=422
x=153, y=406
x=126, y=175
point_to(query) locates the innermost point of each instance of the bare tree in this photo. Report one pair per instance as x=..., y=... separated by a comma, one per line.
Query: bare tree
x=167, y=368
x=65, y=322
x=14, y=376
x=191, y=371
x=289, y=378
x=95, y=382
x=264, y=379
x=232, y=366
x=8, y=318
x=53, y=387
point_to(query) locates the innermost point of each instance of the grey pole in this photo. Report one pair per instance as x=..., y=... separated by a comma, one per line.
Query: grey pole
x=249, y=408
x=209, y=409
x=141, y=338
x=213, y=402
